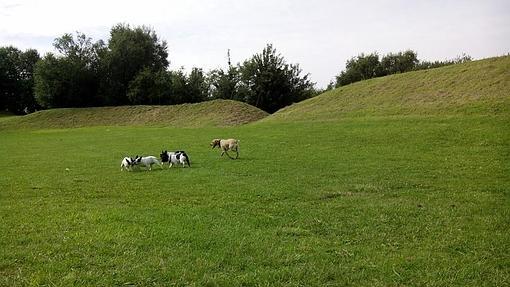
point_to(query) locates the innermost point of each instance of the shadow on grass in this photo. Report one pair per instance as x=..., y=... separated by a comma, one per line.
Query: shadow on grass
x=158, y=169
x=154, y=169
x=240, y=158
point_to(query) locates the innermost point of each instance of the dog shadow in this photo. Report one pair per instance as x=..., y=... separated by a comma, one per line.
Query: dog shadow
x=154, y=169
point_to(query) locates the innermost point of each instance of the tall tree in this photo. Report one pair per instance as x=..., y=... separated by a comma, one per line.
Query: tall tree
x=271, y=83
x=197, y=87
x=179, y=86
x=225, y=84
x=149, y=87
x=8, y=74
x=70, y=79
x=130, y=51
x=16, y=79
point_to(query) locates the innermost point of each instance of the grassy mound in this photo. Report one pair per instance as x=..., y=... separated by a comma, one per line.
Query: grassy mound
x=479, y=87
x=217, y=113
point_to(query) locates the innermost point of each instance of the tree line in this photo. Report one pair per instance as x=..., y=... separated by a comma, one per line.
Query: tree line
x=367, y=66
x=131, y=68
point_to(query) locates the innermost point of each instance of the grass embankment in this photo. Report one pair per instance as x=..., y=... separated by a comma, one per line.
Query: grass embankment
x=205, y=114
x=474, y=88
x=415, y=199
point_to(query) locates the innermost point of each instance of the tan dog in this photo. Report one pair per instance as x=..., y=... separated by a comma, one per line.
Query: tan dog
x=226, y=145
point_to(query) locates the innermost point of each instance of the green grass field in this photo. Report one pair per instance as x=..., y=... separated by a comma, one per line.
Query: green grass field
x=377, y=200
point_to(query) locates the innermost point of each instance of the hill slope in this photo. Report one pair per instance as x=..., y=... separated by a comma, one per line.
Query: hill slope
x=218, y=113
x=479, y=87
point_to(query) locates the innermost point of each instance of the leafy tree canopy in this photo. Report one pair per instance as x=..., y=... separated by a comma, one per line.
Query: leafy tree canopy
x=270, y=83
x=16, y=79
x=130, y=51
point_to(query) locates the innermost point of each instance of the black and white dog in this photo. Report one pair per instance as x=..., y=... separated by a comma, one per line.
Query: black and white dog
x=176, y=157
x=127, y=164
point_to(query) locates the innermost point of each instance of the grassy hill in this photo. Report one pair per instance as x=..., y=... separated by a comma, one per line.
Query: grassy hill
x=215, y=113
x=478, y=87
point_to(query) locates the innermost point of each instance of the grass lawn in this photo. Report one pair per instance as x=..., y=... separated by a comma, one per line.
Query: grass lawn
x=374, y=201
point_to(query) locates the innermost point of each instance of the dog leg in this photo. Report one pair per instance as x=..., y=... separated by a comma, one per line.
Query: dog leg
x=229, y=155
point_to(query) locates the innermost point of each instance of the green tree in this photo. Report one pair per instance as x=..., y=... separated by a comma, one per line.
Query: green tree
x=225, y=84
x=53, y=82
x=16, y=79
x=269, y=83
x=364, y=67
x=130, y=51
x=70, y=79
x=150, y=87
x=8, y=74
x=359, y=68
x=179, y=86
x=197, y=86
x=400, y=62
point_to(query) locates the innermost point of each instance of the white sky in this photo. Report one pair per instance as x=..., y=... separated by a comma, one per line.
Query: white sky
x=319, y=35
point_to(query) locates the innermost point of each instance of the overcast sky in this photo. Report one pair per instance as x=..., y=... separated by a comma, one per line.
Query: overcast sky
x=318, y=35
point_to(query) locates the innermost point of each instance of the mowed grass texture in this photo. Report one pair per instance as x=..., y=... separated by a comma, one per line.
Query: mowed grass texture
x=364, y=201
